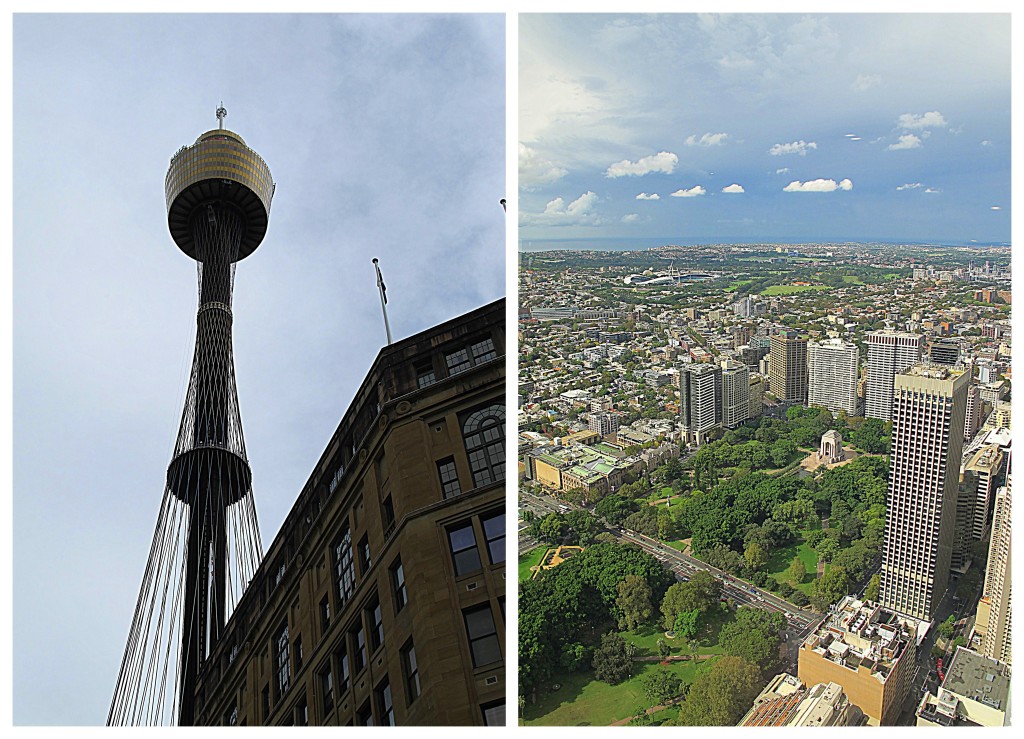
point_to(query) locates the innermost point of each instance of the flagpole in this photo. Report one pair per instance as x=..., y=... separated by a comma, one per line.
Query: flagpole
x=383, y=300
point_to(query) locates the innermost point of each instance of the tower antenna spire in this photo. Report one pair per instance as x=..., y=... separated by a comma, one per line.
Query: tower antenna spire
x=222, y=113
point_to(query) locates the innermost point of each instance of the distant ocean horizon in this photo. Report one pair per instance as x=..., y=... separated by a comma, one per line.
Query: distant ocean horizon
x=611, y=243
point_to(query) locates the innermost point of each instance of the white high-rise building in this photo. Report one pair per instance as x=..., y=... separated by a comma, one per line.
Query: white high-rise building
x=996, y=595
x=735, y=393
x=927, y=444
x=974, y=414
x=832, y=375
x=889, y=352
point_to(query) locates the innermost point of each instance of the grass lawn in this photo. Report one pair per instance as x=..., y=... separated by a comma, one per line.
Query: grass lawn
x=528, y=560
x=852, y=280
x=791, y=289
x=737, y=284
x=778, y=564
x=585, y=701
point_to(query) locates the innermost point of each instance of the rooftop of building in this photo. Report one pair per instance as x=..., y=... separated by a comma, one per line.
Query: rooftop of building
x=934, y=371
x=980, y=678
x=860, y=633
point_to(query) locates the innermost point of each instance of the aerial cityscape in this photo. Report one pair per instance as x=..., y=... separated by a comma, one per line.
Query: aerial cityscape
x=764, y=424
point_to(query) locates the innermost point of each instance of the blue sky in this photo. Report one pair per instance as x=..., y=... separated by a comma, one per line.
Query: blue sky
x=385, y=136
x=765, y=127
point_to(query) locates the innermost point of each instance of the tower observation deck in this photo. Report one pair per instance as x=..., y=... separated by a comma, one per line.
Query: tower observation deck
x=207, y=545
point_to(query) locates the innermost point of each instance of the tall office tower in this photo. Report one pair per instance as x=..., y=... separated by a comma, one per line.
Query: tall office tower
x=700, y=399
x=889, y=353
x=735, y=393
x=927, y=442
x=756, y=396
x=986, y=467
x=975, y=412
x=832, y=368
x=207, y=545
x=945, y=351
x=995, y=641
x=787, y=367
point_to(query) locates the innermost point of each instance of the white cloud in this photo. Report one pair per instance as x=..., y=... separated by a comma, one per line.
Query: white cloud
x=557, y=213
x=933, y=190
x=986, y=142
x=818, y=186
x=855, y=138
x=733, y=188
x=783, y=170
x=708, y=139
x=797, y=147
x=535, y=169
x=909, y=186
x=849, y=135
x=866, y=82
x=907, y=141
x=933, y=119
x=663, y=161
x=630, y=218
x=691, y=193
x=645, y=196
x=995, y=207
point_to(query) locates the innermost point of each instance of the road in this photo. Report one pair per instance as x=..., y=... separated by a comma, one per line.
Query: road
x=799, y=622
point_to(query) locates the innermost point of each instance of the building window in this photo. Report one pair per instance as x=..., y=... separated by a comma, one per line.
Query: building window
x=457, y=361
x=343, y=669
x=301, y=712
x=425, y=373
x=389, y=516
x=297, y=651
x=231, y=717
x=411, y=671
x=344, y=567
x=358, y=648
x=482, y=351
x=327, y=687
x=364, y=555
x=364, y=716
x=373, y=613
x=385, y=705
x=449, y=477
x=494, y=531
x=266, y=702
x=325, y=615
x=398, y=585
x=483, y=637
x=463, y=546
x=484, y=435
x=494, y=713
x=282, y=666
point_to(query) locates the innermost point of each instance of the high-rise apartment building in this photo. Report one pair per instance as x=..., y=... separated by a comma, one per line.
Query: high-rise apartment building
x=787, y=367
x=603, y=423
x=755, y=406
x=995, y=598
x=974, y=414
x=927, y=442
x=700, y=399
x=735, y=393
x=986, y=466
x=889, y=352
x=382, y=599
x=833, y=368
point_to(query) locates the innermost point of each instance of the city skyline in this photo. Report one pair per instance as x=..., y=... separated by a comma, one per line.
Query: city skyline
x=754, y=128
x=385, y=138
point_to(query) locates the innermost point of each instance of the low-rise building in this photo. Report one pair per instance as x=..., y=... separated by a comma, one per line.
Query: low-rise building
x=786, y=701
x=975, y=692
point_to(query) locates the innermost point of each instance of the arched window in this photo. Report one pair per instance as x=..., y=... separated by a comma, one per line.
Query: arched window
x=484, y=434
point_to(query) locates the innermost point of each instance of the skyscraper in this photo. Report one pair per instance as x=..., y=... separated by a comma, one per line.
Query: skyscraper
x=889, y=352
x=945, y=351
x=927, y=441
x=700, y=399
x=975, y=412
x=735, y=393
x=832, y=375
x=787, y=367
x=206, y=547
x=995, y=641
